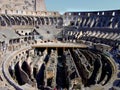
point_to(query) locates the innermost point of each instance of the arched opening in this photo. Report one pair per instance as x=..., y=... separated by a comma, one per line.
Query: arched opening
x=3, y=23
x=16, y=20
x=26, y=34
x=25, y=20
x=42, y=21
x=29, y=20
x=46, y=20
x=6, y=19
x=29, y=38
x=38, y=20
x=51, y=20
x=25, y=39
x=10, y=42
x=12, y=20
x=60, y=21
x=55, y=20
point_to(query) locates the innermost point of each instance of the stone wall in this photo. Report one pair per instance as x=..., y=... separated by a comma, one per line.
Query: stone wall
x=17, y=4
x=29, y=13
x=31, y=5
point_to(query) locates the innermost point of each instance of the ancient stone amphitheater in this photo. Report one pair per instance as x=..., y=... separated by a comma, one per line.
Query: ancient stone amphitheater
x=42, y=50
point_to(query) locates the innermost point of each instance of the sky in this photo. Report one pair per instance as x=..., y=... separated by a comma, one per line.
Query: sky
x=81, y=5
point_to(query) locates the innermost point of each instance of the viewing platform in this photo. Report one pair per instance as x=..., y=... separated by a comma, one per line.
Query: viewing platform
x=59, y=45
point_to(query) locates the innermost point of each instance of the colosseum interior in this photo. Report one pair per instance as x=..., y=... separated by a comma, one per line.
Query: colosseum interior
x=44, y=50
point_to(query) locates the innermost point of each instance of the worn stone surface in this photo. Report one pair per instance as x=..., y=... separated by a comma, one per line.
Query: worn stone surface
x=31, y=5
